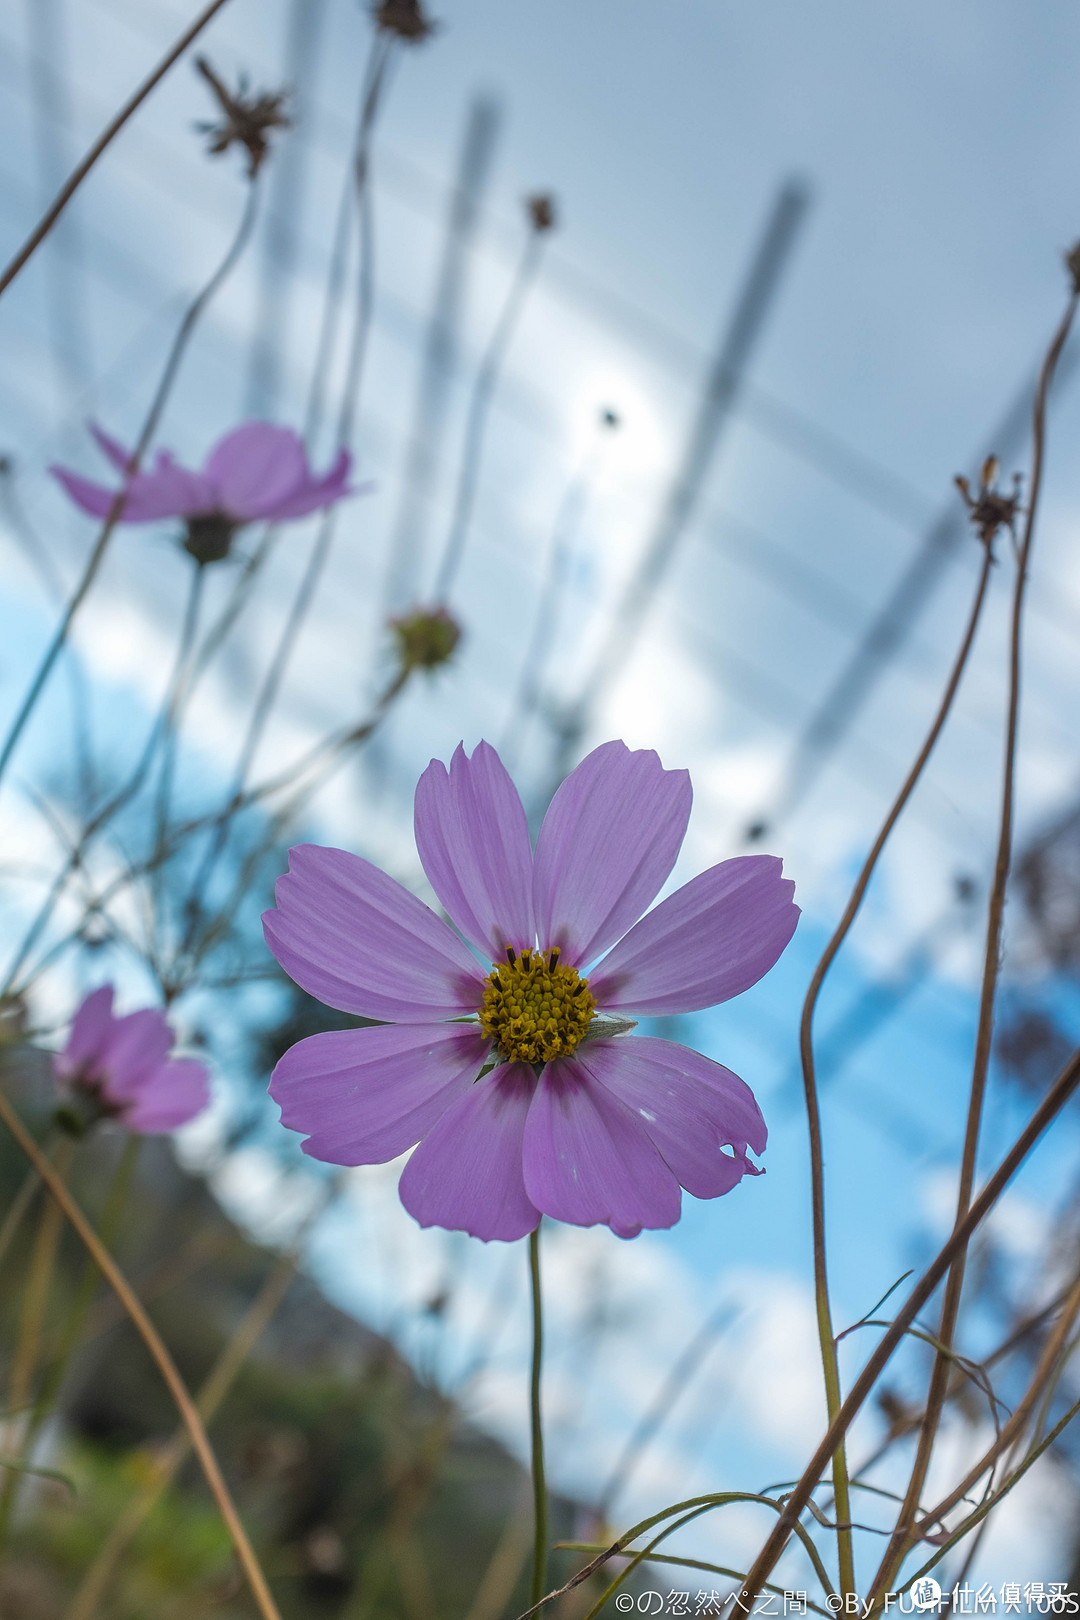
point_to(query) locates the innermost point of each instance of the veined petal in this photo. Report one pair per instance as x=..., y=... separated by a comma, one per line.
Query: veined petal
x=467, y=1172
x=352, y=937
x=473, y=840
x=362, y=1096
x=691, y=1108
x=88, y=1036
x=255, y=467
x=315, y=493
x=609, y=839
x=589, y=1158
x=173, y=1094
x=710, y=940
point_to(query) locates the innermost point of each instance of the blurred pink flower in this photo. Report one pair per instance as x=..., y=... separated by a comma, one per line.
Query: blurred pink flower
x=574, y=1120
x=256, y=471
x=120, y=1068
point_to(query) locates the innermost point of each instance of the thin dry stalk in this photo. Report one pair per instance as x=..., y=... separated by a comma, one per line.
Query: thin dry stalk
x=162, y=1359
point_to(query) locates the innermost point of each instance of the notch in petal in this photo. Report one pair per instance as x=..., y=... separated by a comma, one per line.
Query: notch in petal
x=610, y=838
x=473, y=839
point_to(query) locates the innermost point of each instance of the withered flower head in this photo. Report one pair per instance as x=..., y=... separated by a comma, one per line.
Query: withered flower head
x=989, y=508
x=425, y=638
x=540, y=207
x=405, y=18
x=246, y=119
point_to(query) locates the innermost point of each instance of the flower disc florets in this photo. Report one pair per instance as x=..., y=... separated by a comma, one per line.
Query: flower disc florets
x=534, y=1009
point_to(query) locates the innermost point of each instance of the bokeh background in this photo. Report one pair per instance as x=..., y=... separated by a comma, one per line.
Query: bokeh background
x=828, y=242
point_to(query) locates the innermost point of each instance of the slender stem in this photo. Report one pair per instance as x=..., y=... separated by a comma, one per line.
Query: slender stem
x=826, y=1336
x=78, y=175
x=901, y=1540
x=1052, y=1104
x=540, y=1501
x=156, y=1346
x=476, y=425
x=170, y=728
x=16, y=1210
x=97, y=555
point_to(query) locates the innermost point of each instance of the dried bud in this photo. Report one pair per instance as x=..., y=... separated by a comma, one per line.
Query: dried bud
x=405, y=18
x=1072, y=265
x=541, y=211
x=425, y=639
x=246, y=120
x=989, y=508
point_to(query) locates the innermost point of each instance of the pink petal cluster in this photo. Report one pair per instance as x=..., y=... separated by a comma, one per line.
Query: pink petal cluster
x=121, y=1068
x=611, y=1132
x=256, y=471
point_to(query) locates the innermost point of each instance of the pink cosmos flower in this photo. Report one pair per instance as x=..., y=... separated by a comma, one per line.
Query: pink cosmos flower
x=574, y=1119
x=256, y=471
x=119, y=1068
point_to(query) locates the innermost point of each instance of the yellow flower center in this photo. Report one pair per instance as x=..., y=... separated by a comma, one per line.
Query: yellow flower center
x=534, y=1009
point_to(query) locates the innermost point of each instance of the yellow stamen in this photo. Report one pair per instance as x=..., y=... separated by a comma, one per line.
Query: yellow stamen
x=534, y=1009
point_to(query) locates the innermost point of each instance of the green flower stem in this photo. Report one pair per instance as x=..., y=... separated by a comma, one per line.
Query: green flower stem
x=540, y=1507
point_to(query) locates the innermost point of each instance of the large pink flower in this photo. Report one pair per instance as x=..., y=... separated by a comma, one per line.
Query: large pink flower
x=119, y=1068
x=573, y=1120
x=256, y=471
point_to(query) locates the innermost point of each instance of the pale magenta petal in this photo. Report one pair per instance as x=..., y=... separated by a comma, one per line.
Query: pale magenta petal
x=135, y=1047
x=610, y=837
x=362, y=1096
x=255, y=467
x=692, y=1109
x=473, y=840
x=466, y=1174
x=315, y=493
x=110, y=448
x=167, y=491
x=355, y=939
x=589, y=1159
x=171, y=1095
x=89, y=1035
x=710, y=940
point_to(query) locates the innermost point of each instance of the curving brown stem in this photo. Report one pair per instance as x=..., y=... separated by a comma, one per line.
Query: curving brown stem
x=903, y=1538
x=827, y=1340
x=163, y=1360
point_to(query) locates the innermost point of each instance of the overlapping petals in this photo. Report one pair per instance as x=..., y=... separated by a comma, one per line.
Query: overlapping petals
x=614, y=1130
x=256, y=471
x=121, y=1067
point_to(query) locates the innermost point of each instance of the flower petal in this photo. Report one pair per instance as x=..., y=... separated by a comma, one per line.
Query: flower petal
x=314, y=493
x=473, y=839
x=362, y=1096
x=609, y=839
x=136, y=1046
x=255, y=467
x=88, y=1036
x=589, y=1159
x=710, y=940
x=111, y=448
x=174, y=1093
x=691, y=1108
x=467, y=1172
x=168, y=491
x=352, y=937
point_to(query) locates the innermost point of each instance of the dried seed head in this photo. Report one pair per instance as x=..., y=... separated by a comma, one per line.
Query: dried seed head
x=425, y=639
x=989, y=508
x=405, y=18
x=540, y=207
x=246, y=120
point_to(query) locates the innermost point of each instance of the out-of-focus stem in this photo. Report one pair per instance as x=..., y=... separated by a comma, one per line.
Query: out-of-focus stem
x=97, y=555
x=162, y=1359
x=540, y=1502
x=841, y=1489
x=132, y=105
x=901, y=1540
